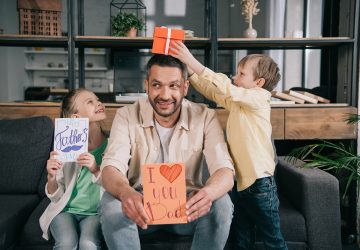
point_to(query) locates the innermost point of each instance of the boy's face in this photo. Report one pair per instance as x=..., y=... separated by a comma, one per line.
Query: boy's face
x=245, y=75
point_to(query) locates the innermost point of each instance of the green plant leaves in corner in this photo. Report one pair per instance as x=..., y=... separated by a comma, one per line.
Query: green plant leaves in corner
x=122, y=23
x=330, y=156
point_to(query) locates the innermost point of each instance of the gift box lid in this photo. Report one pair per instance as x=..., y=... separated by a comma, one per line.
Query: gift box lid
x=162, y=32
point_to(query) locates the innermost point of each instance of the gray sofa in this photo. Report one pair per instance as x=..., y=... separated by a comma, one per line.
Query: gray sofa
x=309, y=198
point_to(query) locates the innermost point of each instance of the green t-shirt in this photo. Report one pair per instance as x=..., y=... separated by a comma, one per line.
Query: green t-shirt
x=86, y=194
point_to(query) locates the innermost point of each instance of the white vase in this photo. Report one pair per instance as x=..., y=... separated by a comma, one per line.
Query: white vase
x=250, y=33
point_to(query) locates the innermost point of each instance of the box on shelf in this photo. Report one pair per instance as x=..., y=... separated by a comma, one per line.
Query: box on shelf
x=40, y=17
x=162, y=38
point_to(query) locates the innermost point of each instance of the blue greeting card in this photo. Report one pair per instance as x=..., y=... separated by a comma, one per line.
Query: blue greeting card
x=71, y=138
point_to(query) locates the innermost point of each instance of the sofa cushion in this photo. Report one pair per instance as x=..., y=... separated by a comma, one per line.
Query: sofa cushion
x=292, y=222
x=25, y=146
x=31, y=234
x=14, y=211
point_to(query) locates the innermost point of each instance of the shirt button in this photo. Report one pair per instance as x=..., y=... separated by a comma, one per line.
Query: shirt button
x=155, y=148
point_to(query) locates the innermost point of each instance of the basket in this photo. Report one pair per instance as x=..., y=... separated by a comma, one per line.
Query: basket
x=40, y=17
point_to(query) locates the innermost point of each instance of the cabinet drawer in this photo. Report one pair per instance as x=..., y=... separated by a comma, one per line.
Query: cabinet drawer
x=319, y=123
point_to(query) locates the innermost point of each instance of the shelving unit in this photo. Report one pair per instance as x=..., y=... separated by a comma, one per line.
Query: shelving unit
x=340, y=59
x=283, y=43
x=33, y=41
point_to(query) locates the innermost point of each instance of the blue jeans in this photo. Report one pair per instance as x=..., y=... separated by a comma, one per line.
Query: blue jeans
x=210, y=231
x=257, y=207
x=73, y=231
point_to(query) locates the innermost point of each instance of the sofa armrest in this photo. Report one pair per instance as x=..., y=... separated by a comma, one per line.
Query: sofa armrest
x=315, y=194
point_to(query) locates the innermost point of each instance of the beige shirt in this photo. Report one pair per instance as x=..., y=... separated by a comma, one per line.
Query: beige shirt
x=248, y=127
x=134, y=142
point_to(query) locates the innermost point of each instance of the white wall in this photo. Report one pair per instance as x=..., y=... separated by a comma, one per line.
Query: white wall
x=12, y=71
x=186, y=14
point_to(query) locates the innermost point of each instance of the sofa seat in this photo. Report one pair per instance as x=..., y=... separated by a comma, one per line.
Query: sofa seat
x=14, y=212
x=29, y=237
x=309, y=198
x=292, y=222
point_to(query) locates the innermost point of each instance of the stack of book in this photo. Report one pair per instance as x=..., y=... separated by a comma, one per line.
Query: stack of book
x=299, y=97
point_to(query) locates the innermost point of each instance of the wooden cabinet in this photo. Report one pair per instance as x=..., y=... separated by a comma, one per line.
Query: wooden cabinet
x=289, y=123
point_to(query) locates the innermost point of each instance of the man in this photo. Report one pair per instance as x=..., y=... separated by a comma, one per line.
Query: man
x=166, y=128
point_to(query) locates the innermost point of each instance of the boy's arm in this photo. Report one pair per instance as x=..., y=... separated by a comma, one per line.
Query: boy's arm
x=181, y=52
x=196, y=69
x=216, y=86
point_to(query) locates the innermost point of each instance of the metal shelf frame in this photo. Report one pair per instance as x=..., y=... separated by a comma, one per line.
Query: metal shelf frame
x=341, y=51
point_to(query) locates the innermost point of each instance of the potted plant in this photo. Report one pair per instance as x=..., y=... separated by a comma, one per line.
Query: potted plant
x=340, y=159
x=126, y=24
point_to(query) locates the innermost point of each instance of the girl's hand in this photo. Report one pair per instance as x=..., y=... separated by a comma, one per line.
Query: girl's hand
x=52, y=166
x=88, y=160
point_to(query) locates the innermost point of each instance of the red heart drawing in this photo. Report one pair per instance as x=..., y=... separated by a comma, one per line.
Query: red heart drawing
x=170, y=173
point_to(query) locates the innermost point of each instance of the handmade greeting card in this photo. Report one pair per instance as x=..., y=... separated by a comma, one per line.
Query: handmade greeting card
x=162, y=38
x=164, y=193
x=71, y=138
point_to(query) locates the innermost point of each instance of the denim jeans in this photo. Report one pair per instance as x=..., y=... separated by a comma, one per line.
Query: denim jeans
x=73, y=231
x=257, y=207
x=210, y=231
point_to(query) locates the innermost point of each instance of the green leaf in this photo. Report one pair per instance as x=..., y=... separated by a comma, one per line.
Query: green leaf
x=122, y=23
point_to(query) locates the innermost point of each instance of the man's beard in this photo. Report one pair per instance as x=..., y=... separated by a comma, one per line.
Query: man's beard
x=166, y=113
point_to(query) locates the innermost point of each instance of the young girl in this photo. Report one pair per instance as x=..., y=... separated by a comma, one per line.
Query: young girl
x=72, y=216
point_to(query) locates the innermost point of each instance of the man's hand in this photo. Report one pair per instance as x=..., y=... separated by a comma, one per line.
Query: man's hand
x=198, y=205
x=132, y=206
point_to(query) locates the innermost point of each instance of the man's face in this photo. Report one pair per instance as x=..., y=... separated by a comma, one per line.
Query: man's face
x=166, y=89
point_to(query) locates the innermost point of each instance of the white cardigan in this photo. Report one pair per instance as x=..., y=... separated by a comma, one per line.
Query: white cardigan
x=66, y=180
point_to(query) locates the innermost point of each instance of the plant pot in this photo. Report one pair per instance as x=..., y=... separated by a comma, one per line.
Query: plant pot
x=250, y=33
x=132, y=32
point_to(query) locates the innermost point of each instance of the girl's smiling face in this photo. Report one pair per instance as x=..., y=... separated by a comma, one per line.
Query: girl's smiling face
x=87, y=104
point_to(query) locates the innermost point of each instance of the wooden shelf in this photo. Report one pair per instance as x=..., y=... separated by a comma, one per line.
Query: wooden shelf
x=33, y=41
x=133, y=42
x=293, y=123
x=283, y=43
x=63, y=69
x=55, y=52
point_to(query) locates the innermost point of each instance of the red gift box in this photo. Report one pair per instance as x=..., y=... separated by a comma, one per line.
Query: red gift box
x=162, y=38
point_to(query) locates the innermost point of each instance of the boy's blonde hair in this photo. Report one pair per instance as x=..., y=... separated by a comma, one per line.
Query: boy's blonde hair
x=266, y=68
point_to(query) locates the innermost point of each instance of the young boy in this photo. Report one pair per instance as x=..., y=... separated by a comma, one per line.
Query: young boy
x=249, y=138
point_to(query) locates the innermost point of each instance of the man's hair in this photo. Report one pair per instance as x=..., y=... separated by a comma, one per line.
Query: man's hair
x=266, y=68
x=166, y=61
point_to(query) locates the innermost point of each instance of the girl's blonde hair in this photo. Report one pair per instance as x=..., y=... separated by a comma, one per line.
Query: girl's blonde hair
x=265, y=68
x=68, y=107
x=68, y=103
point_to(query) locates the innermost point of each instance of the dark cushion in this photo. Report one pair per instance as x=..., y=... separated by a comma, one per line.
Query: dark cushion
x=25, y=146
x=292, y=222
x=162, y=240
x=31, y=235
x=14, y=211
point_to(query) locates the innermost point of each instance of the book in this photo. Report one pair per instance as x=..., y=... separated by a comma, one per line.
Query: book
x=319, y=98
x=164, y=190
x=71, y=138
x=301, y=96
x=280, y=102
x=287, y=97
